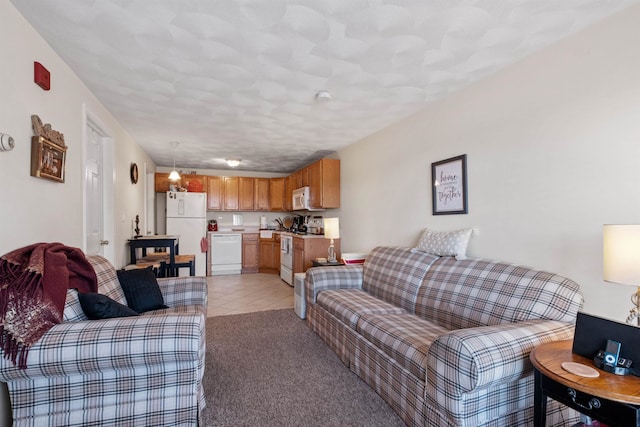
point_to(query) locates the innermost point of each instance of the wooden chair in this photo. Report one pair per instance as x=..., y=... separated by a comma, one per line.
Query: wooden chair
x=156, y=266
x=182, y=261
x=160, y=258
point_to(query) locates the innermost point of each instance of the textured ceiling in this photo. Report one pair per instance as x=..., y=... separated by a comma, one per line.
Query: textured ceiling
x=238, y=78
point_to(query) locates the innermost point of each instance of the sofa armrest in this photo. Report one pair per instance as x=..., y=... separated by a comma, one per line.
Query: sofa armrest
x=467, y=360
x=127, y=343
x=180, y=291
x=320, y=279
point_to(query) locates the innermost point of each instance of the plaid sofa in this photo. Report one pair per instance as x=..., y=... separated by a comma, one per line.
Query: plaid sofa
x=444, y=342
x=133, y=371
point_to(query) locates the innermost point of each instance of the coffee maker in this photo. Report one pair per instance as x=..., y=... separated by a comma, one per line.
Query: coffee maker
x=299, y=225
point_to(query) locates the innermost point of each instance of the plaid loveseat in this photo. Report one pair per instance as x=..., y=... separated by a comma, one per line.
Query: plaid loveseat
x=133, y=371
x=444, y=342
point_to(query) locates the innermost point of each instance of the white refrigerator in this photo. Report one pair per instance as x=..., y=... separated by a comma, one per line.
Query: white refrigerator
x=187, y=218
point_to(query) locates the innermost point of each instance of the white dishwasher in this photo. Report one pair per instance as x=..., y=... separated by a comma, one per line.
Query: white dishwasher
x=226, y=254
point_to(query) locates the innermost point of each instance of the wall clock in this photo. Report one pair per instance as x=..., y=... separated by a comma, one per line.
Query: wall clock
x=134, y=173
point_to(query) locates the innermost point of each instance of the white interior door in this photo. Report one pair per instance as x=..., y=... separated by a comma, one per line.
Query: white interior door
x=150, y=196
x=98, y=190
x=94, y=194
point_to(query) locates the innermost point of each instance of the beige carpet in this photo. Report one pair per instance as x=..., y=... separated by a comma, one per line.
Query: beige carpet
x=270, y=369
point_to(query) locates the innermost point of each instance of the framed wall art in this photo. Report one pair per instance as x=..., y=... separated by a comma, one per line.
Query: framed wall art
x=47, y=159
x=449, y=186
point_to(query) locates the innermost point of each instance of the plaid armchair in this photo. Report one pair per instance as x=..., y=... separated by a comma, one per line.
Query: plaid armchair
x=444, y=342
x=143, y=371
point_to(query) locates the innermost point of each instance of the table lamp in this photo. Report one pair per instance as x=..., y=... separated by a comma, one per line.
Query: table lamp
x=331, y=231
x=621, y=250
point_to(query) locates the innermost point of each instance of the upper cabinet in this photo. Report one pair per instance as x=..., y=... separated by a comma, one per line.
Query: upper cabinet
x=261, y=195
x=233, y=193
x=197, y=183
x=324, y=184
x=290, y=185
x=215, y=193
x=253, y=194
x=194, y=182
x=276, y=194
x=246, y=193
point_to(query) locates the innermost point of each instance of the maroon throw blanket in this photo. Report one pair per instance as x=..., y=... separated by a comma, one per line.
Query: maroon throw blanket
x=33, y=289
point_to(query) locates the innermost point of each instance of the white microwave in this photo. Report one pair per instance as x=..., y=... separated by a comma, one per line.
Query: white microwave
x=301, y=200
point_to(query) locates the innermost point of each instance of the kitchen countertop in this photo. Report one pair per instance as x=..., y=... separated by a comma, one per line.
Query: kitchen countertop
x=303, y=236
x=257, y=230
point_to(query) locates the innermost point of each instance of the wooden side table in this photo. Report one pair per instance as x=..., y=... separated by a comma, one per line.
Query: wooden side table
x=315, y=263
x=609, y=398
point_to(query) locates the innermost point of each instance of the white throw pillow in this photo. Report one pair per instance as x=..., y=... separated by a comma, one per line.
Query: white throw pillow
x=448, y=243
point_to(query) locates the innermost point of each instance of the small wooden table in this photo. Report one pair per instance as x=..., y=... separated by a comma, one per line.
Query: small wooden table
x=155, y=241
x=315, y=263
x=609, y=398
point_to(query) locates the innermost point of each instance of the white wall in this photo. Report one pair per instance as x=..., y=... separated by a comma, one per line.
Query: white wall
x=553, y=152
x=37, y=210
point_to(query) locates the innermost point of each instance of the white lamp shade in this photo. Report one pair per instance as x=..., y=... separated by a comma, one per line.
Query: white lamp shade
x=331, y=228
x=174, y=175
x=621, y=250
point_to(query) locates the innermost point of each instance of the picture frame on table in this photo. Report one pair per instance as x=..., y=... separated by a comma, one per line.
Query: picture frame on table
x=449, y=186
x=47, y=159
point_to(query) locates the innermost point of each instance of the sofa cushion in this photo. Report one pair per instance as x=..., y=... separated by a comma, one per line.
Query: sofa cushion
x=98, y=306
x=471, y=293
x=445, y=243
x=73, y=311
x=349, y=304
x=406, y=338
x=141, y=289
x=395, y=274
x=107, y=280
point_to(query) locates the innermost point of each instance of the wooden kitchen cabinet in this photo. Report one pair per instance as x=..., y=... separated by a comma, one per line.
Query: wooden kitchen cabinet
x=270, y=254
x=276, y=255
x=246, y=194
x=261, y=194
x=305, y=250
x=215, y=195
x=288, y=192
x=250, y=251
x=276, y=194
x=298, y=255
x=162, y=182
x=187, y=181
x=324, y=184
x=304, y=177
x=231, y=193
x=296, y=178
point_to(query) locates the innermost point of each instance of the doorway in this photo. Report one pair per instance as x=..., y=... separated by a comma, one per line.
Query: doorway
x=98, y=189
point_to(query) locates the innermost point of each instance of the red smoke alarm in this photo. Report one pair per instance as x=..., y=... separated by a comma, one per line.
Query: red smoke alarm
x=41, y=76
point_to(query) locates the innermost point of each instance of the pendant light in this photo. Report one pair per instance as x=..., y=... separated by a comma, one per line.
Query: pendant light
x=174, y=175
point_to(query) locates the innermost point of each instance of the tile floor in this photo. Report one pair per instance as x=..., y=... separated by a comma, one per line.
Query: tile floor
x=246, y=293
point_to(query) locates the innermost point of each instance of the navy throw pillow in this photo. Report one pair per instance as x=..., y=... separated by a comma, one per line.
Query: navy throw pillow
x=98, y=306
x=141, y=289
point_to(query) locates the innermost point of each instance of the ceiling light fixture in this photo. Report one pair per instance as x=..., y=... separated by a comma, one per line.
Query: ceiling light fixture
x=174, y=175
x=232, y=163
x=323, y=96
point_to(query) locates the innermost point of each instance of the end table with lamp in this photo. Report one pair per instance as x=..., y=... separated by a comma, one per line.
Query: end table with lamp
x=331, y=231
x=621, y=256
